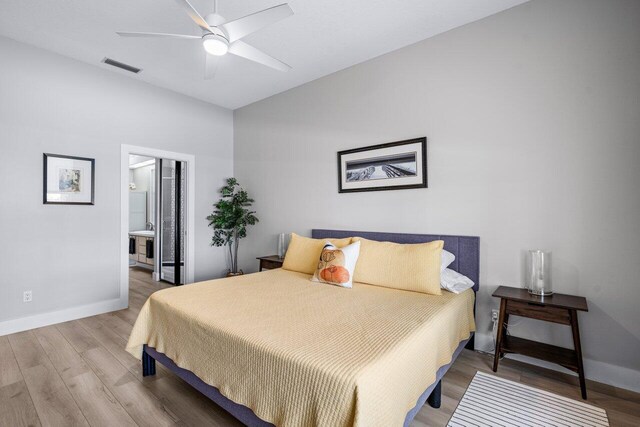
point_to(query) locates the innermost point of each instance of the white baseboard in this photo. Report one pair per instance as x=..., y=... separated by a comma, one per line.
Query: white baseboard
x=45, y=319
x=595, y=370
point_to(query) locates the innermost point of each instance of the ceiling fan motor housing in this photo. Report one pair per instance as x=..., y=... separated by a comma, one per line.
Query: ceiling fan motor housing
x=214, y=20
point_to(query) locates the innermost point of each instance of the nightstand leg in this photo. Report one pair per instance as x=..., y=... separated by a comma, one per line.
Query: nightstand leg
x=576, y=344
x=503, y=309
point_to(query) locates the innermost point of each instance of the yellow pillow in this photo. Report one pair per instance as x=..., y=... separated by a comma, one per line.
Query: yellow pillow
x=303, y=253
x=410, y=267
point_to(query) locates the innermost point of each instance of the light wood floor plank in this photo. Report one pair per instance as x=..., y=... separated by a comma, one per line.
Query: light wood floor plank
x=96, y=402
x=113, y=333
x=52, y=400
x=77, y=336
x=16, y=407
x=129, y=315
x=9, y=370
x=138, y=401
x=116, y=324
x=604, y=401
x=621, y=419
x=115, y=344
x=27, y=350
x=143, y=288
x=62, y=355
x=137, y=299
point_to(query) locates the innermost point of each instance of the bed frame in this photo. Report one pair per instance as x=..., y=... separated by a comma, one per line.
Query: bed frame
x=467, y=262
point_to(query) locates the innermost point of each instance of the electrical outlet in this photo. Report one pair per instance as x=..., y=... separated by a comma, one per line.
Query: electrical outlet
x=494, y=315
x=27, y=296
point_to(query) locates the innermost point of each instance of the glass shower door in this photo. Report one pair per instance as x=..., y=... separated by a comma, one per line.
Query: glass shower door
x=172, y=221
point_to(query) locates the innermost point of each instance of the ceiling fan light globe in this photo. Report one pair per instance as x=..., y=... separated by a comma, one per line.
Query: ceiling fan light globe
x=215, y=44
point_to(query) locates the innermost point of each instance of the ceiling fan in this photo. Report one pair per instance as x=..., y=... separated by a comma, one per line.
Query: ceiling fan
x=220, y=37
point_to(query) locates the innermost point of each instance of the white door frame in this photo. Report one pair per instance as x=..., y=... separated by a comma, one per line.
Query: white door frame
x=190, y=160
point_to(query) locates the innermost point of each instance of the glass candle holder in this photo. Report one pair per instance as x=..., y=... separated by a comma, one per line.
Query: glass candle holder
x=282, y=245
x=538, y=273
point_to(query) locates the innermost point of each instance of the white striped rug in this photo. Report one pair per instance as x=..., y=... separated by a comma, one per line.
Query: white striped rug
x=495, y=402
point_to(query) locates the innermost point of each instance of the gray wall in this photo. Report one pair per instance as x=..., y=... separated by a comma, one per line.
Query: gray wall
x=70, y=255
x=533, y=122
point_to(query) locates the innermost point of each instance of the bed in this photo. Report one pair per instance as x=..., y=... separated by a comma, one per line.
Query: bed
x=274, y=348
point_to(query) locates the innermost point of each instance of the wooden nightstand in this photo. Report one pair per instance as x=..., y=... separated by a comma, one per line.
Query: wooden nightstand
x=557, y=308
x=270, y=262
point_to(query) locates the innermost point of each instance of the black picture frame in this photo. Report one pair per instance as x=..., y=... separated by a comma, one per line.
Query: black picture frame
x=46, y=158
x=422, y=141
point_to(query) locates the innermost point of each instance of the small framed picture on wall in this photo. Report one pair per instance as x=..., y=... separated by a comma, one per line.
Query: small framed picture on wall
x=68, y=180
x=392, y=166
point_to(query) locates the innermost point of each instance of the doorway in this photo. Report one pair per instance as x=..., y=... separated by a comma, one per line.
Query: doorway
x=142, y=218
x=169, y=215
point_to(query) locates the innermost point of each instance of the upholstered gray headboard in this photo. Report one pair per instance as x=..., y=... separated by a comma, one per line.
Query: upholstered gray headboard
x=465, y=248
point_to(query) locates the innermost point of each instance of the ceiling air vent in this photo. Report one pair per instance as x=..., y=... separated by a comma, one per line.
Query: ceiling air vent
x=122, y=65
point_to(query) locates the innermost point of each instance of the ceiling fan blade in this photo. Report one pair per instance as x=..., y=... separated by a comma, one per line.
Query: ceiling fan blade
x=194, y=15
x=241, y=27
x=211, y=66
x=160, y=35
x=249, y=52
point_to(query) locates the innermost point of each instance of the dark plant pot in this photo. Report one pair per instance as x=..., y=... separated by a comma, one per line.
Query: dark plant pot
x=230, y=274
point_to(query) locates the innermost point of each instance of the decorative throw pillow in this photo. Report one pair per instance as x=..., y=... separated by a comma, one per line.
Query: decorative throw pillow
x=409, y=267
x=336, y=265
x=303, y=252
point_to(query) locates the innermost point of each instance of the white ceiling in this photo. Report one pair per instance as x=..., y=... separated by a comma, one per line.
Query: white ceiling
x=323, y=36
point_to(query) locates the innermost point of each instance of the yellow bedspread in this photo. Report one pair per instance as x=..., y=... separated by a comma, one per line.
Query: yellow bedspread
x=300, y=353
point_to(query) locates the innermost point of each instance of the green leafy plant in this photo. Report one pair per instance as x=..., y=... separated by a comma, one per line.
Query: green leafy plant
x=230, y=219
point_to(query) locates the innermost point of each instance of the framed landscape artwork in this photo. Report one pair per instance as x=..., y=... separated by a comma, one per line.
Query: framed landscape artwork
x=392, y=166
x=68, y=180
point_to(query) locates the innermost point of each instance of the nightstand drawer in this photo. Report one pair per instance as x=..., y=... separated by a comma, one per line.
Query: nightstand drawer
x=269, y=262
x=539, y=311
x=270, y=265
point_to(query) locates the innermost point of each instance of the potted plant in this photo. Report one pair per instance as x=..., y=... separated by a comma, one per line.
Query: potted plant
x=230, y=219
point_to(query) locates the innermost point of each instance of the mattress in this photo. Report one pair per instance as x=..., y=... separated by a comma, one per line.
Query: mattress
x=299, y=353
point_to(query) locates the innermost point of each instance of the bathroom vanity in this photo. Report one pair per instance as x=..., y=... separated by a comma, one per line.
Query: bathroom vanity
x=140, y=255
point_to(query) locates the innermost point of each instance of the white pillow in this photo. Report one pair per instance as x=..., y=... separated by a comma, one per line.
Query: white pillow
x=336, y=265
x=446, y=259
x=454, y=282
